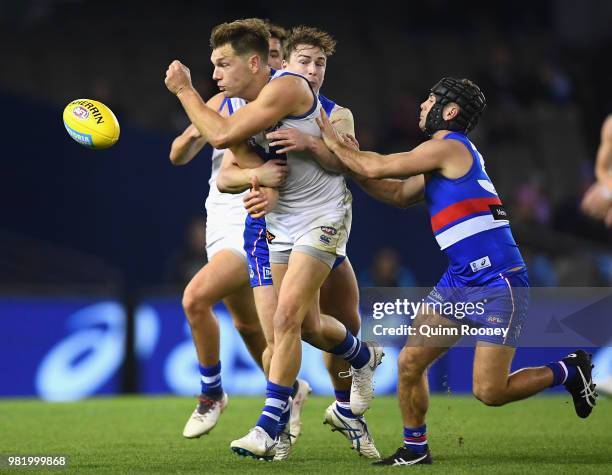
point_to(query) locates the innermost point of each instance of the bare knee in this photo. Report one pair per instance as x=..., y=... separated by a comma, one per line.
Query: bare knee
x=410, y=367
x=489, y=395
x=197, y=305
x=286, y=321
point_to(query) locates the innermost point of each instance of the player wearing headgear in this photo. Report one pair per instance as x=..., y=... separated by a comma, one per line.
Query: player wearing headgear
x=307, y=51
x=485, y=265
x=224, y=277
x=310, y=223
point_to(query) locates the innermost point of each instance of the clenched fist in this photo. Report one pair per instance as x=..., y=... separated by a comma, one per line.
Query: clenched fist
x=178, y=77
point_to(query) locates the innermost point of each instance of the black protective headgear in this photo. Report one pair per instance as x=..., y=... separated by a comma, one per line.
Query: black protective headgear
x=466, y=95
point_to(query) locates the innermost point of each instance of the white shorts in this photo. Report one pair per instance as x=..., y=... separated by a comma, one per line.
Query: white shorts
x=326, y=230
x=228, y=236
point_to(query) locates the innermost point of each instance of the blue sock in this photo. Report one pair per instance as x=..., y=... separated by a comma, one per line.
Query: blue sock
x=561, y=372
x=285, y=416
x=343, y=404
x=277, y=398
x=353, y=351
x=415, y=439
x=211, y=380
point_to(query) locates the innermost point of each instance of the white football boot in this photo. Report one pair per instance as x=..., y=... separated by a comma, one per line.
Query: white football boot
x=295, y=423
x=205, y=416
x=257, y=444
x=362, y=387
x=355, y=430
x=284, y=443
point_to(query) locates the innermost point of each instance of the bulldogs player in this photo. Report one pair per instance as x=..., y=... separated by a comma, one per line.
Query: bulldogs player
x=471, y=227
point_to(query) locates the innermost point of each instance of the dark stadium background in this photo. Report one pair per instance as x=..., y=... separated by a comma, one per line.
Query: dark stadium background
x=91, y=225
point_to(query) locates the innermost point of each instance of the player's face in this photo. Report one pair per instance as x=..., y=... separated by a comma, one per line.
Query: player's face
x=275, y=55
x=426, y=105
x=310, y=62
x=231, y=72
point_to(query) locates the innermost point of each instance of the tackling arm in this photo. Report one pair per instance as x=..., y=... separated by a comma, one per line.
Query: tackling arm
x=427, y=157
x=400, y=193
x=292, y=140
x=241, y=165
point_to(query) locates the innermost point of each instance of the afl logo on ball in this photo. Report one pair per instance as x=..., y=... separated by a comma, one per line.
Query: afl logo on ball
x=329, y=230
x=80, y=112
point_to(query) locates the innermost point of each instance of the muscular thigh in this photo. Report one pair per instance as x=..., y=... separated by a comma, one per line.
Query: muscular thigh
x=220, y=277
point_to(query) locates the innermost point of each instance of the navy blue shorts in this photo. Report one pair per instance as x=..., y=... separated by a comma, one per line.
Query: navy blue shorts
x=256, y=248
x=499, y=305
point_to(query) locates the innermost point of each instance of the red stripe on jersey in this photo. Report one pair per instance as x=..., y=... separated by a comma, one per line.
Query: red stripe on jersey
x=460, y=210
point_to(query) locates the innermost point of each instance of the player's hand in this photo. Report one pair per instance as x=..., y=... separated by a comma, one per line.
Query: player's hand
x=178, y=77
x=260, y=201
x=596, y=202
x=292, y=140
x=350, y=141
x=272, y=173
x=330, y=136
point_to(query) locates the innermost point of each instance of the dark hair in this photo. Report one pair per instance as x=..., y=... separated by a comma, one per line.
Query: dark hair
x=307, y=35
x=246, y=36
x=277, y=31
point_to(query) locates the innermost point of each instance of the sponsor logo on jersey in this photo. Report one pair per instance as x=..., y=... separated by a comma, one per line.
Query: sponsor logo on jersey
x=329, y=230
x=481, y=263
x=269, y=236
x=498, y=212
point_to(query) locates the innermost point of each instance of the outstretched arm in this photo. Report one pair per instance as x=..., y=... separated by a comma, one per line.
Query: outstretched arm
x=288, y=95
x=292, y=140
x=400, y=193
x=427, y=157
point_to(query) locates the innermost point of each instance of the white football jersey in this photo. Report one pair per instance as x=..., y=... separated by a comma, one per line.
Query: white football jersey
x=224, y=208
x=309, y=190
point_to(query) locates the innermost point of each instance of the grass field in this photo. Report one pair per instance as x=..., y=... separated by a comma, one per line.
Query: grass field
x=143, y=435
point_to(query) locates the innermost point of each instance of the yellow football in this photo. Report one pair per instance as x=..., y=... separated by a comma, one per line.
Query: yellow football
x=91, y=123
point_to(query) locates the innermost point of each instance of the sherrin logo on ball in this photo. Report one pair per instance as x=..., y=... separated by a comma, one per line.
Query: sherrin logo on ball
x=91, y=123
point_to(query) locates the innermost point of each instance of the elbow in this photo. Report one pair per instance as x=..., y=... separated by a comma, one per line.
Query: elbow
x=175, y=159
x=220, y=141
